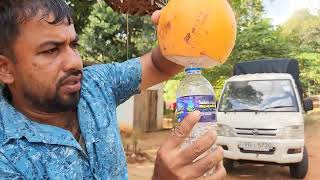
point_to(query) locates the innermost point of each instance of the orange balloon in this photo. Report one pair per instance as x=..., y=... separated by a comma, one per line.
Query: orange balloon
x=198, y=33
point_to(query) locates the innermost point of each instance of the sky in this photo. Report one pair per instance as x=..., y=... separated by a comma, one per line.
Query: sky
x=280, y=10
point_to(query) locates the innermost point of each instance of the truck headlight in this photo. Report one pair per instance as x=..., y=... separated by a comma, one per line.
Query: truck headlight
x=224, y=130
x=294, y=132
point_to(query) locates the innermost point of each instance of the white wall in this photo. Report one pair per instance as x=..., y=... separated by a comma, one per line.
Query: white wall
x=125, y=113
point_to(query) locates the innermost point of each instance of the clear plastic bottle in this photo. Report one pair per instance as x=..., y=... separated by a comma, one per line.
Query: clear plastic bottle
x=196, y=93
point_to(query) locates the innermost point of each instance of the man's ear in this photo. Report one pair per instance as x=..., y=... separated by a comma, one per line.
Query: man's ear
x=6, y=70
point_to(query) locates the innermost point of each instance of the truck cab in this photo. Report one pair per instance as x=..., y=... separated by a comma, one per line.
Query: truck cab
x=260, y=116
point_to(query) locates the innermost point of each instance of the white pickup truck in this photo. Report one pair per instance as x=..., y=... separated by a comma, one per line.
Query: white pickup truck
x=260, y=116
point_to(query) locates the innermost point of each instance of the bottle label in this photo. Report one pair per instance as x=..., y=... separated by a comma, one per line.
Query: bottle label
x=205, y=104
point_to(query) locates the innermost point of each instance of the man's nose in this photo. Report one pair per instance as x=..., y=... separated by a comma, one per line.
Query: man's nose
x=71, y=60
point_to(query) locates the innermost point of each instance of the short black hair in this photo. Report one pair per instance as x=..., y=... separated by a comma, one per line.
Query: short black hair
x=15, y=12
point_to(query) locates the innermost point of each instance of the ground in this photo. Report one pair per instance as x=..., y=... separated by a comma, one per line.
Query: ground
x=151, y=141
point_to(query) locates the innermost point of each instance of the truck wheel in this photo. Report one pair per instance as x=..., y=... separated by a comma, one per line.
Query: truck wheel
x=228, y=164
x=299, y=170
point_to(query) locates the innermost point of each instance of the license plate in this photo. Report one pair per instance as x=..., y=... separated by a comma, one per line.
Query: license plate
x=255, y=146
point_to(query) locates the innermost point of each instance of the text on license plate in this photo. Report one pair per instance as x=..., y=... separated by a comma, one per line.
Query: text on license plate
x=256, y=146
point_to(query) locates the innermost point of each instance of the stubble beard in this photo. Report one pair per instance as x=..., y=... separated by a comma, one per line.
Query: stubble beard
x=54, y=104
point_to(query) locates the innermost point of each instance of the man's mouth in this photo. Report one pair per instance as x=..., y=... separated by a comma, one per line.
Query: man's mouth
x=71, y=84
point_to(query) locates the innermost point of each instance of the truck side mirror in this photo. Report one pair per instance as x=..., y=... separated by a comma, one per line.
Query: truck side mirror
x=307, y=104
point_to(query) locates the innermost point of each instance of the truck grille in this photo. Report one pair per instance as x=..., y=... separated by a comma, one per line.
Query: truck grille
x=256, y=132
x=271, y=151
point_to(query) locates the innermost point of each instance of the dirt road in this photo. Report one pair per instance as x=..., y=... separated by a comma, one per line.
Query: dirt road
x=247, y=171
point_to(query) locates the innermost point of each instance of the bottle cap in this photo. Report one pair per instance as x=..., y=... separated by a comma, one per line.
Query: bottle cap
x=193, y=70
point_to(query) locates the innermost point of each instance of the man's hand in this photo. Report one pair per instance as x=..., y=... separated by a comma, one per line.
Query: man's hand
x=155, y=17
x=155, y=67
x=175, y=163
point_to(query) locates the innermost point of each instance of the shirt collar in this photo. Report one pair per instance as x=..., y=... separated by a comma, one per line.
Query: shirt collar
x=17, y=126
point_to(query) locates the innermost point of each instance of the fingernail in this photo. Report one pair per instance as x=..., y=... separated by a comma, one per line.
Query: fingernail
x=197, y=113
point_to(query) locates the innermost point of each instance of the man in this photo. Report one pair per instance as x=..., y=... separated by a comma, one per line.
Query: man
x=58, y=120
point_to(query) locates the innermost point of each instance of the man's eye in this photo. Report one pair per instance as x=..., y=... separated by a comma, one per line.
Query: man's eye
x=50, y=51
x=75, y=45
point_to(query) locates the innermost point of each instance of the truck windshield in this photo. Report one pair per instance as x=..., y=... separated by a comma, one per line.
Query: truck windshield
x=259, y=96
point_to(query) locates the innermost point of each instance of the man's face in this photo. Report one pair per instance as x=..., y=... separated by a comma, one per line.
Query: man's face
x=48, y=68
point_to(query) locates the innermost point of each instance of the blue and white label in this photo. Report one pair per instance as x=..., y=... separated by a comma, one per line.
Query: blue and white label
x=205, y=104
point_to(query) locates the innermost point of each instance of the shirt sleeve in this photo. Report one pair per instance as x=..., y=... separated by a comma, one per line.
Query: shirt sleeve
x=7, y=172
x=123, y=79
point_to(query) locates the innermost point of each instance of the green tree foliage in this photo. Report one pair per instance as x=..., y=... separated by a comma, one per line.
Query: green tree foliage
x=310, y=70
x=81, y=9
x=259, y=40
x=170, y=89
x=256, y=38
x=303, y=32
x=105, y=37
x=247, y=11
